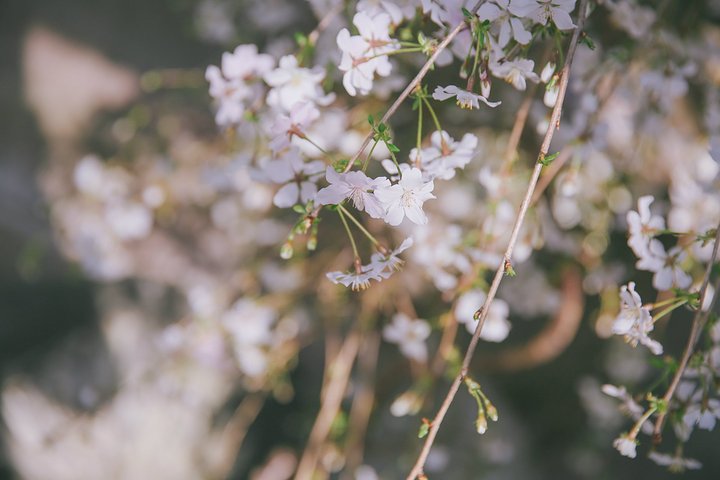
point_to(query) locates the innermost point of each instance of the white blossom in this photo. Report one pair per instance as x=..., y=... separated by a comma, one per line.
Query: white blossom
x=365, y=55
x=497, y=12
x=293, y=124
x=540, y=11
x=675, y=463
x=464, y=99
x=297, y=177
x=515, y=72
x=443, y=156
x=356, y=186
x=406, y=198
x=626, y=446
x=702, y=412
x=643, y=226
x=386, y=263
x=634, y=321
x=496, y=327
x=292, y=84
x=409, y=335
x=357, y=279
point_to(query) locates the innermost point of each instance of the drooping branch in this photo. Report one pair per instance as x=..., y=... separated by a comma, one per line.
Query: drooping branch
x=481, y=314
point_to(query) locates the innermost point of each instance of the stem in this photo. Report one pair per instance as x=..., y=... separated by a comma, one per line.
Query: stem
x=367, y=159
x=314, y=144
x=433, y=115
x=471, y=78
x=420, y=126
x=669, y=309
x=350, y=235
x=697, y=327
x=359, y=225
x=638, y=425
x=500, y=273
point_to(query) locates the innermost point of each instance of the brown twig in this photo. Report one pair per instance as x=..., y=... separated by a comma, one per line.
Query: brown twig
x=338, y=376
x=482, y=312
x=698, y=323
x=363, y=403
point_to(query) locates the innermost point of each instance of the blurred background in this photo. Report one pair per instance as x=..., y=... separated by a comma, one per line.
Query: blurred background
x=103, y=376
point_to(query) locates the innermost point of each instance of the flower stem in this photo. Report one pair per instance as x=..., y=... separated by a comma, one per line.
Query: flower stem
x=347, y=229
x=433, y=115
x=359, y=225
x=669, y=309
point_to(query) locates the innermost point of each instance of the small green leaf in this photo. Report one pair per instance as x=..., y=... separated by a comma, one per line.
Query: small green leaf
x=467, y=13
x=587, y=41
x=424, y=429
x=298, y=209
x=546, y=160
x=393, y=148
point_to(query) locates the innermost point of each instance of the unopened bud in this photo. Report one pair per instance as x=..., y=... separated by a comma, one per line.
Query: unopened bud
x=481, y=422
x=547, y=72
x=286, y=251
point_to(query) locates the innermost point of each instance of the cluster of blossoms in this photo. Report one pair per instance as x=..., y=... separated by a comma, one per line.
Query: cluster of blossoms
x=301, y=169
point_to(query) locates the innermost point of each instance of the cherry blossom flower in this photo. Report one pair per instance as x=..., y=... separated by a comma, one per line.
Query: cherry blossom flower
x=626, y=446
x=396, y=9
x=443, y=156
x=230, y=86
x=386, y=263
x=464, y=99
x=629, y=406
x=702, y=412
x=357, y=279
x=297, y=177
x=670, y=273
x=496, y=327
x=634, y=321
x=643, y=226
x=515, y=72
x=540, y=11
x=250, y=327
x=409, y=335
x=294, y=124
x=356, y=186
x=675, y=463
x=292, y=84
x=364, y=55
x=406, y=198
x=497, y=12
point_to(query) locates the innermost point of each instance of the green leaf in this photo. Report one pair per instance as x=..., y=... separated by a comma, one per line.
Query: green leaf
x=587, y=41
x=299, y=209
x=467, y=13
x=424, y=429
x=393, y=148
x=546, y=160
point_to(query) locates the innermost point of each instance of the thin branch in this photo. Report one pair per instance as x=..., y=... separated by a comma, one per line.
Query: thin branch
x=698, y=323
x=482, y=312
x=521, y=117
x=338, y=377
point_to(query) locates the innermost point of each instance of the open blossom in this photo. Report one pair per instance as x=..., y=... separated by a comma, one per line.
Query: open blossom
x=626, y=446
x=357, y=279
x=409, y=335
x=292, y=84
x=665, y=265
x=293, y=124
x=444, y=155
x=643, y=226
x=675, y=463
x=230, y=84
x=406, y=198
x=356, y=186
x=297, y=177
x=702, y=412
x=634, y=321
x=397, y=9
x=515, y=72
x=540, y=11
x=464, y=99
x=496, y=327
x=497, y=12
x=385, y=263
x=365, y=55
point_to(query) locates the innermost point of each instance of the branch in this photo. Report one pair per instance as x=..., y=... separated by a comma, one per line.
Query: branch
x=482, y=312
x=698, y=323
